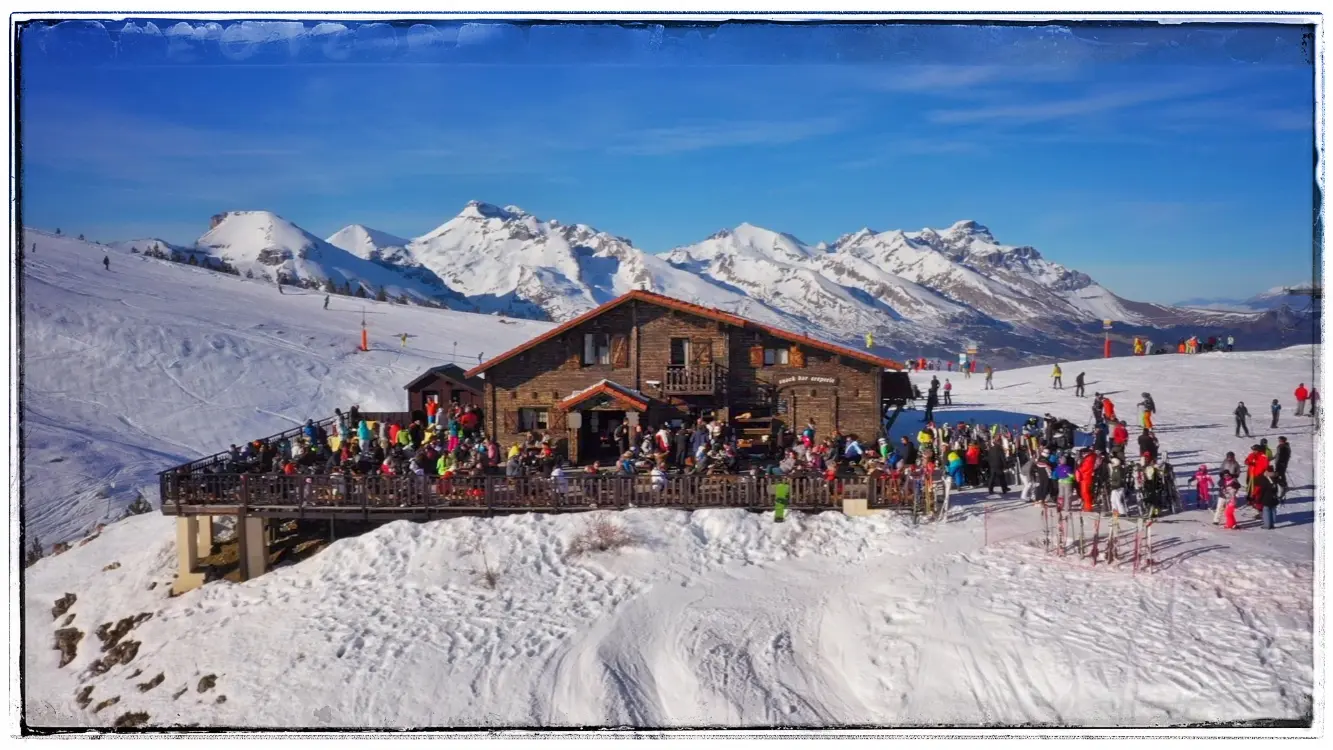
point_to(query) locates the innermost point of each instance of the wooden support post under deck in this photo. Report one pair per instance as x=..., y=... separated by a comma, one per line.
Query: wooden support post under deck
x=253, y=546
x=187, y=556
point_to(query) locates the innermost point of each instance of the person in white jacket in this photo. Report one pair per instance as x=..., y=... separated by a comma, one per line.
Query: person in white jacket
x=559, y=480
x=658, y=476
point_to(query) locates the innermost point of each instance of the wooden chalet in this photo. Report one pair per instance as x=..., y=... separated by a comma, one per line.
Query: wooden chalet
x=645, y=359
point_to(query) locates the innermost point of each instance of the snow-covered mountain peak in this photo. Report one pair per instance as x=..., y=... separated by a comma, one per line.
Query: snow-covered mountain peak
x=364, y=242
x=260, y=236
x=483, y=210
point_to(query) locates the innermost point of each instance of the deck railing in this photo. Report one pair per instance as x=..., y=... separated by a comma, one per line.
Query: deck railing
x=194, y=493
x=686, y=380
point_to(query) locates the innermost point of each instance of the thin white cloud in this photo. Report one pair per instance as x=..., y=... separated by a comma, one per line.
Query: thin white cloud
x=1062, y=109
x=701, y=136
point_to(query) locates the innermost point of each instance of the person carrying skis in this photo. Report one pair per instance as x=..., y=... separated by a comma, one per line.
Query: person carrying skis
x=1056, y=381
x=1241, y=415
x=989, y=374
x=1276, y=408
x=948, y=393
x=106, y=262
x=1078, y=385
x=1301, y=395
x=1203, y=485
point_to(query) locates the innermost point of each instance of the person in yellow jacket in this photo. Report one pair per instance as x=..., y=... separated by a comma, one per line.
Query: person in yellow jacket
x=924, y=438
x=870, y=341
x=513, y=451
x=1056, y=375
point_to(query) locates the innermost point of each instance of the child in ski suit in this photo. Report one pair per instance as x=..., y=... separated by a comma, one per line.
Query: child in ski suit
x=1228, y=489
x=1204, y=485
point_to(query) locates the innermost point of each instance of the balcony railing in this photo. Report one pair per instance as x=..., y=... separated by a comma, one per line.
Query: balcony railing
x=683, y=380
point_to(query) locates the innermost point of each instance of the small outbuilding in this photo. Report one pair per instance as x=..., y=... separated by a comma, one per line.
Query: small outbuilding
x=446, y=384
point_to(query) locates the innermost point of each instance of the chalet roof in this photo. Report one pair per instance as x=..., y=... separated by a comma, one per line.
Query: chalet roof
x=662, y=300
x=452, y=372
x=609, y=387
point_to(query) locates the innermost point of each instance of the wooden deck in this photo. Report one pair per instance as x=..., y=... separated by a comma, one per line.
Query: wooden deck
x=427, y=498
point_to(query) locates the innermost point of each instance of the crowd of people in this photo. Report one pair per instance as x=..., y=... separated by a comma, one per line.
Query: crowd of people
x=1051, y=460
x=1191, y=345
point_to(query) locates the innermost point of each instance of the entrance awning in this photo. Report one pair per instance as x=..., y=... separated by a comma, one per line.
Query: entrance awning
x=606, y=394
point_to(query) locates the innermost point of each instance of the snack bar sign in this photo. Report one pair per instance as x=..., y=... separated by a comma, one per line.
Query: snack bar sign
x=807, y=379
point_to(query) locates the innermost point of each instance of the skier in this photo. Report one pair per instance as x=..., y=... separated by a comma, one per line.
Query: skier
x=1256, y=463
x=106, y=262
x=990, y=373
x=1266, y=494
x=1064, y=477
x=1204, y=484
x=1228, y=489
x=1099, y=436
x=1148, y=444
x=403, y=337
x=1152, y=485
x=948, y=393
x=1078, y=385
x=1116, y=481
x=996, y=458
x=1097, y=414
x=1241, y=414
x=1276, y=408
x=326, y=302
x=1084, y=475
x=1056, y=381
x=932, y=400
x=1283, y=458
x=1231, y=343
x=1119, y=437
x=1108, y=409
x=1147, y=409
x=1301, y=395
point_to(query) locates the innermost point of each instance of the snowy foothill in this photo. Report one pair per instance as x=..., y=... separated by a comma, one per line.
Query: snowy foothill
x=710, y=618
x=130, y=370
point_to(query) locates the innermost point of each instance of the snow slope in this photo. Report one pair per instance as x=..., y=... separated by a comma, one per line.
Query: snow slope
x=128, y=372
x=722, y=618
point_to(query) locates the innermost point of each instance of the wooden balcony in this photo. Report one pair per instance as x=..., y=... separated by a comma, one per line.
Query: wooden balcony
x=683, y=380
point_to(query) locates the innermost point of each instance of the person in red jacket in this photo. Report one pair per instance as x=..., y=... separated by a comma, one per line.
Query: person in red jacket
x=1083, y=476
x=1108, y=409
x=1257, y=463
x=973, y=463
x=1119, y=437
x=1301, y=396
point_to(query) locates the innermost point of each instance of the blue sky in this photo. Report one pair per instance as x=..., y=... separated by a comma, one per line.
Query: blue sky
x=1167, y=162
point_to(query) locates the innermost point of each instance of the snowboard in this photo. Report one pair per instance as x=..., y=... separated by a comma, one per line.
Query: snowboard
x=782, y=493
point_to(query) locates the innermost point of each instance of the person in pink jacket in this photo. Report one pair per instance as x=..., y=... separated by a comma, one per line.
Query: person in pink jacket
x=1203, y=485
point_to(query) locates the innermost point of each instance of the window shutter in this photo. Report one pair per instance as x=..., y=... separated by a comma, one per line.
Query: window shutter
x=757, y=355
x=573, y=353
x=703, y=352
x=620, y=351
x=796, y=356
x=556, y=420
x=511, y=421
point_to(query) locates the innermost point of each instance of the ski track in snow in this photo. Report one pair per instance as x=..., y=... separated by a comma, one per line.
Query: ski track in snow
x=717, y=618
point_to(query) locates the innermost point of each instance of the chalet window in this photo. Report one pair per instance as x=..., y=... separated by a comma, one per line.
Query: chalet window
x=775, y=357
x=680, y=351
x=532, y=419
x=596, y=349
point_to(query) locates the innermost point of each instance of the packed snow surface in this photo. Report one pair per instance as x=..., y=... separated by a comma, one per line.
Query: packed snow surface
x=711, y=618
